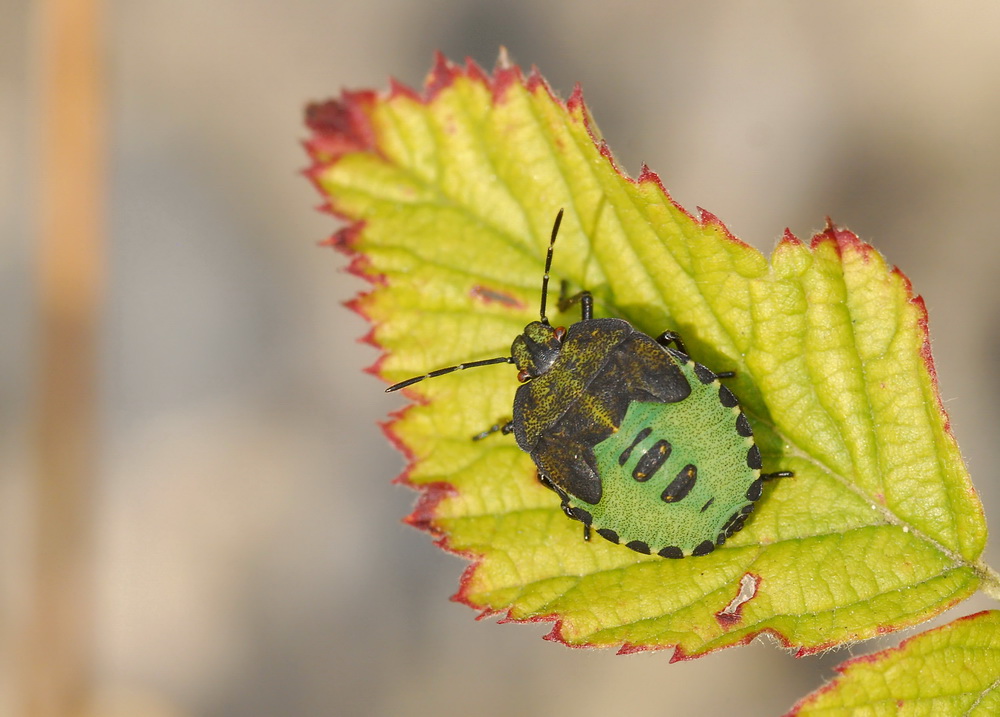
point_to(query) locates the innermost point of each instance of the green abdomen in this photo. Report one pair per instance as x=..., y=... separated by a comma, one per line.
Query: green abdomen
x=677, y=478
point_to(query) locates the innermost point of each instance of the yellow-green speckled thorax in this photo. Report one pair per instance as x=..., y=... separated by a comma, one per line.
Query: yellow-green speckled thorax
x=677, y=478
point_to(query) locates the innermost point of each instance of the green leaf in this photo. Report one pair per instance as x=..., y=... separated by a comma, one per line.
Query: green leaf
x=952, y=670
x=451, y=194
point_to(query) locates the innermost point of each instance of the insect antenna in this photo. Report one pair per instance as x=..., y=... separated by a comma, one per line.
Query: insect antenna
x=442, y=371
x=501, y=359
x=548, y=265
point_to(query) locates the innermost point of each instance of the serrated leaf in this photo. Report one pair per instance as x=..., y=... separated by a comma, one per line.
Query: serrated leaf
x=952, y=670
x=451, y=196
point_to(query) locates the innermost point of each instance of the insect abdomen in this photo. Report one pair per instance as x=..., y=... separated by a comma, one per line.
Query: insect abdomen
x=677, y=478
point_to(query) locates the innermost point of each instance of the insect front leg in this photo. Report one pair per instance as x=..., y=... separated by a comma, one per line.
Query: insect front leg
x=585, y=299
x=504, y=427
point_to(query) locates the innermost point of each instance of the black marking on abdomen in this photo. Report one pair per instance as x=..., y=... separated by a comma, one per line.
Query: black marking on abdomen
x=733, y=525
x=671, y=551
x=638, y=546
x=639, y=438
x=753, y=458
x=608, y=534
x=705, y=507
x=755, y=489
x=726, y=397
x=703, y=373
x=743, y=426
x=681, y=485
x=655, y=457
x=704, y=548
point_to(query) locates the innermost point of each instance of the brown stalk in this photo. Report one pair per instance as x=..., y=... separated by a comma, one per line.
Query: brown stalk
x=56, y=669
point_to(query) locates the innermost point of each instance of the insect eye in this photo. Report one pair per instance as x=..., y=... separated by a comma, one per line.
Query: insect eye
x=523, y=375
x=560, y=332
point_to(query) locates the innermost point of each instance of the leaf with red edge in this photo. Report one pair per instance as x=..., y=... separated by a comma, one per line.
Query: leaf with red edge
x=450, y=194
x=951, y=670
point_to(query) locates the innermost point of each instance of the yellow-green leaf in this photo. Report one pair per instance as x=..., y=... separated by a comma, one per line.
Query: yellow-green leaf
x=952, y=670
x=451, y=194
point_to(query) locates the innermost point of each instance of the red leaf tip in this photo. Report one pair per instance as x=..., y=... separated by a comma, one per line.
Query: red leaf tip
x=789, y=239
x=441, y=75
x=575, y=100
x=707, y=219
x=425, y=511
x=341, y=125
x=842, y=239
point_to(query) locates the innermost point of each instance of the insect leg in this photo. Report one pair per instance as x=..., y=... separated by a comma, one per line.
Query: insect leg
x=568, y=510
x=779, y=474
x=584, y=297
x=564, y=503
x=498, y=427
x=672, y=337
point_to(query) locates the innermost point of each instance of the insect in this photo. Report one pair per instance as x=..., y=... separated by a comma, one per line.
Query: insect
x=641, y=443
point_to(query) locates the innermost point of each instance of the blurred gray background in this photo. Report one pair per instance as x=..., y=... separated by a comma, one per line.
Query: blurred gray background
x=250, y=556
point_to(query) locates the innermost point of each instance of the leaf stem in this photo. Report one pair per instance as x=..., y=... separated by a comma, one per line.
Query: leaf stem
x=990, y=578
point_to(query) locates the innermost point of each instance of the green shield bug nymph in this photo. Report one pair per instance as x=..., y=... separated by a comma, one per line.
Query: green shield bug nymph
x=640, y=443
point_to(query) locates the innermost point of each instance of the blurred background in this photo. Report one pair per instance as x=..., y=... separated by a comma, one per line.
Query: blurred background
x=240, y=549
